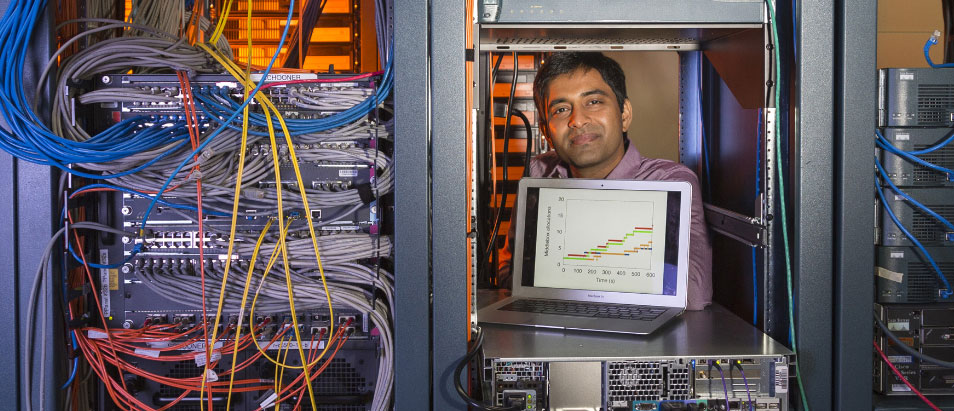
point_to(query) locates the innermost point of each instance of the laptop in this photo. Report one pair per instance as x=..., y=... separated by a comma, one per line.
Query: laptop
x=598, y=255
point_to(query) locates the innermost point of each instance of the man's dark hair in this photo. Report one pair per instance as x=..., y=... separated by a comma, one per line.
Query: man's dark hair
x=567, y=62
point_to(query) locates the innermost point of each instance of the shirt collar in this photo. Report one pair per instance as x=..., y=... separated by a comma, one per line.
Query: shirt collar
x=628, y=165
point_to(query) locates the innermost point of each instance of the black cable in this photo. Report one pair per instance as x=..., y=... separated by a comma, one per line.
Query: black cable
x=947, y=7
x=907, y=349
x=491, y=271
x=471, y=353
x=526, y=126
x=310, y=16
x=503, y=199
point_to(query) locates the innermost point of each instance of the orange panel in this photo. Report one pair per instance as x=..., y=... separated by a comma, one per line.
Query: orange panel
x=498, y=197
x=525, y=62
x=514, y=145
x=523, y=90
x=320, y=63
x=514, y=120
x=513, y=172
x=338, y=7
x=504, y=225
x=331, y=34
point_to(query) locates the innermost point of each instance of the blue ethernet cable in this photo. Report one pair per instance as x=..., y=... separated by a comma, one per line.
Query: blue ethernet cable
x=908, y=198
x=927, y=52
x=886, y=145
x=937, y=270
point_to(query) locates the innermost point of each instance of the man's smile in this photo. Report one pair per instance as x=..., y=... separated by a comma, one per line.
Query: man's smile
x=584, y=138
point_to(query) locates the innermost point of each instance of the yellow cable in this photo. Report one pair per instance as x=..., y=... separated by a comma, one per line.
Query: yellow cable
x=284, y=246
x=235, y=206
x=261, y=237
x=280, y=371
x=270, y=107
x=238, y=332
x=220, y=25
x=230, y=66
x=263, y=99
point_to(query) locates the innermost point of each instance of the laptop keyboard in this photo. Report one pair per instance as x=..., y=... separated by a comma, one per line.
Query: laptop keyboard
x=582, y=309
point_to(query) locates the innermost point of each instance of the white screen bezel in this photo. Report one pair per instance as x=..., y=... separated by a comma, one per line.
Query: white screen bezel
x=682, y=269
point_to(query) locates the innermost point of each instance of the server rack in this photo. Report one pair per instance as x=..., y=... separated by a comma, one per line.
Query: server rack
x=830, y=192
x=833, y=257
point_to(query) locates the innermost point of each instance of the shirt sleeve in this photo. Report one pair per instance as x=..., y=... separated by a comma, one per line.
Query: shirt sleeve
x=700, y=251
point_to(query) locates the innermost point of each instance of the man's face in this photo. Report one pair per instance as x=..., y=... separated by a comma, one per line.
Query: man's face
x=584, y=123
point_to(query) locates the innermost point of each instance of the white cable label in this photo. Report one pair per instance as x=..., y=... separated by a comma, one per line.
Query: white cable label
x=104, y=283
x=211, y=376
x=200, y=346
x=148, y=353
x=200, y=358
x=96, y=335
x=293, y=345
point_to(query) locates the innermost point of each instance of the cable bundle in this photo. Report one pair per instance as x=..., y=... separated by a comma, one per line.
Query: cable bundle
x=221, y=160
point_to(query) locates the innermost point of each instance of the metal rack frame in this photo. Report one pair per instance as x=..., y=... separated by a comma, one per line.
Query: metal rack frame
x=831, y=194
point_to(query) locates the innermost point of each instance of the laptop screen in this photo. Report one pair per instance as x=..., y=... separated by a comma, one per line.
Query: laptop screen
x=601, y=240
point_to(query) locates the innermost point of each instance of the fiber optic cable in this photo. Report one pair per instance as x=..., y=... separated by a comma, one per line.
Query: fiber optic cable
x=238, y=185
x=270, y=108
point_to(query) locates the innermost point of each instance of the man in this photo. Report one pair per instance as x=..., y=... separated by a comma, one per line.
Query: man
x=584, y=111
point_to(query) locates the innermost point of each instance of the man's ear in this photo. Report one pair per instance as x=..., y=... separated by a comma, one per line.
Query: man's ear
x=627, y=115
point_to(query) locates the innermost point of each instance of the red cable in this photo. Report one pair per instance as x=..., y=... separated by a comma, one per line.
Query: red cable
x=191, y=121
x=323, y=80
x=99, y=307
x=340, y=338
x=311, y=356
x=901, y=377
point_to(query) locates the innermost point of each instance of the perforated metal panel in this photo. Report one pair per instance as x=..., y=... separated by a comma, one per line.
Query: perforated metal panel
x=935, y=103
x=634, y=381
x=678, y=382
x=943, y=157
x=927, y=228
